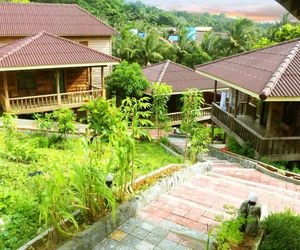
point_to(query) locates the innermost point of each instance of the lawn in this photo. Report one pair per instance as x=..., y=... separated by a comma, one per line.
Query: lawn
x=20, y=192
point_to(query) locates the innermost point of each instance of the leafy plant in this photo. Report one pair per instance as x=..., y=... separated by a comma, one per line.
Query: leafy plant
x=246, y=149
x=160, y=96
x=65, y=119
x=56, y=204
x=89, y=184
x=127, y=80
x=282, y=231
x=198, y=142
x=137, y=114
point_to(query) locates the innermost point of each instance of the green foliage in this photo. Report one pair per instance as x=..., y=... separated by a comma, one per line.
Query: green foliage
x=228, y=234
x=15, y=149
x=282, y=231
x=198, y=142
x=192, y=101
x=127, y=80
x=246, y=149
x=160, y=96
x=136, y=113
x=287, y=32
x=263, y=42
x=65, y=119
x=91, y=191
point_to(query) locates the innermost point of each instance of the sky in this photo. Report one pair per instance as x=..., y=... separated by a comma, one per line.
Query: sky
x=258, y=10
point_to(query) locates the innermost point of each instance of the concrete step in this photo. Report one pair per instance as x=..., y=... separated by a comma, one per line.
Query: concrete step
x=231, y=185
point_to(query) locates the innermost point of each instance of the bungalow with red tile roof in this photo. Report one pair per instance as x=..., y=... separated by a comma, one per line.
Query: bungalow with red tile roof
x=263, y=107
x=51, y=56
x=181, y=78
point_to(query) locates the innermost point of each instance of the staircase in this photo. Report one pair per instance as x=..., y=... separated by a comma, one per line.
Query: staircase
x=196, y=203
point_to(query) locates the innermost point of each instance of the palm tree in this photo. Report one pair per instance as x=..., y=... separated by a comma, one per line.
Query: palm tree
x=240, y=37
x=150, y=49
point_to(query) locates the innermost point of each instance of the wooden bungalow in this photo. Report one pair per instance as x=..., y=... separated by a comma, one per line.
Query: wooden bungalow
x=45, y=72
x=20, y=20
x=181, y=78
x=263, y=105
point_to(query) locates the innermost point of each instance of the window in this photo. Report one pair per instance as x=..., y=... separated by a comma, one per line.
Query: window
x=26, y=83
x=85, y=43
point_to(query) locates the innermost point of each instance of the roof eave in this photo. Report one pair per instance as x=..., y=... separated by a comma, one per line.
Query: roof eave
x=55, y=66
x=229, y=84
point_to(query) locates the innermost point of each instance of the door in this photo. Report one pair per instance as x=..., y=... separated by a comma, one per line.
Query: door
x=61, y=81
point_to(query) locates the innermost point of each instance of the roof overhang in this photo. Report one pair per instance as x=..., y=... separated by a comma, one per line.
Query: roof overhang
x=3, y=69
x=251, y=93
x=229, y=84
x=293, y=6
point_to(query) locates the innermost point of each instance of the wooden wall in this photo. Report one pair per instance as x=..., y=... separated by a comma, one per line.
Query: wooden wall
x=75, y=79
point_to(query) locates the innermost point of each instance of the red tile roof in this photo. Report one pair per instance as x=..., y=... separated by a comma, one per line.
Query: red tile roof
x=47, y=50
x=267, y=72
x=178, y=76
x=27, y=19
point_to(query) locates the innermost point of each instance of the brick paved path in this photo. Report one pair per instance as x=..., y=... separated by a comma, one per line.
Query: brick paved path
x=180, y=218
x=197, y=202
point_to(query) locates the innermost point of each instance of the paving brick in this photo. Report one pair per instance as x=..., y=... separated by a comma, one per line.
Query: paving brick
x=139, y=233
x=144, y=246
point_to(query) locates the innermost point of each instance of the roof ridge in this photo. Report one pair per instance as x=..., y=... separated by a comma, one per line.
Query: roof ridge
x=271, y=84
x=163, y=71
x=246, y=52
x=107, y=25
x=27, y=40
x=183, y=66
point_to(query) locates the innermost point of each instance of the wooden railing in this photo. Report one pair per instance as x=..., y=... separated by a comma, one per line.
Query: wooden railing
x=36, y=102
x=271, y=146
x=176, y=117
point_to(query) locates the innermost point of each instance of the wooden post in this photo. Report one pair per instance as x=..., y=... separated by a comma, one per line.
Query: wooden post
x=212, y=132
x=58, y=88
x=236, y=103
x=215, y=92
x=103, y=83
x=269, y=120
x=6, y=95
x=91, y=78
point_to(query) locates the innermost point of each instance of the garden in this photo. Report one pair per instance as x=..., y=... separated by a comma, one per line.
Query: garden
x=45, y=177
x=54, y=178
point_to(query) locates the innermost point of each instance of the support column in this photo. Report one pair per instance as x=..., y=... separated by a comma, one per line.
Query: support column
x=58, y=88
x=212, y=132
x=6, y=94
x=215, y=92
x=103, y=83
x=236, y=102
x=269, y=120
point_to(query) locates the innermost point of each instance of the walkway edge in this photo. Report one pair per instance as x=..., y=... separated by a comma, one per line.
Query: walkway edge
x=99, y=230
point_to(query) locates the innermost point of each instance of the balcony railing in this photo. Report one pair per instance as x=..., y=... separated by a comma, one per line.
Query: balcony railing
x=176, y=117
x=42, y=102
x=270, y=146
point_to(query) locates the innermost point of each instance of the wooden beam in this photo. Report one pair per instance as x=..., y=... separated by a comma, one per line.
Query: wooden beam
x=269, y=120
x=58, y=88
x=236, y=96
x=6, y=94
x=103, y=83
x=215, y=91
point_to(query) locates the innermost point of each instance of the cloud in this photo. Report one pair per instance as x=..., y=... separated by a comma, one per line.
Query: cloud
x=258, y=10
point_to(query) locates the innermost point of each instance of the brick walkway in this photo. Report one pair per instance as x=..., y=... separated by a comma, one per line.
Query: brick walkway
x=197, y=202
x=181, y=218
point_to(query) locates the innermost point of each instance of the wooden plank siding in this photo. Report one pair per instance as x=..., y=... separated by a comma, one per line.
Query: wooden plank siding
x=75, y=79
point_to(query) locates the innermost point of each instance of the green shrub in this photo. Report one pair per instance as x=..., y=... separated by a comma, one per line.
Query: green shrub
x=228, y=234
x=246, y=149
x=282, y=232
x=65, y=119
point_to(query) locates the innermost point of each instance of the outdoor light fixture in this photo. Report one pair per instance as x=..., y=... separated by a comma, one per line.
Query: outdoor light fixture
x=109, y=180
